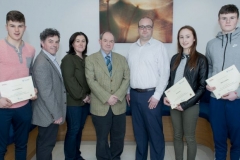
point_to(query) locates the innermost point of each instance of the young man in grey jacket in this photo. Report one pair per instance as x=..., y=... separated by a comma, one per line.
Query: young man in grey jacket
x=222, y=52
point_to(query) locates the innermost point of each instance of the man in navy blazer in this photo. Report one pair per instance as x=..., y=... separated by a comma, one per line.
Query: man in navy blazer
x=49, y=110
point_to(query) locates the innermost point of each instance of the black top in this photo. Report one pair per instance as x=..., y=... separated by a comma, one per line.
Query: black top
x=195, y=76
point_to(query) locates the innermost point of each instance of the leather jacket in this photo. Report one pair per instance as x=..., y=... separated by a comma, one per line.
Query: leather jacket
x=195, y=76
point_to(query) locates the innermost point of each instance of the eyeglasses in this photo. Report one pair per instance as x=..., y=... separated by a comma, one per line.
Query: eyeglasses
x=148, y=27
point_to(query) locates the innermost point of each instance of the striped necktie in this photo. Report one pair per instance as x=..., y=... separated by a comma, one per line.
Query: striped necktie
x=109, y=64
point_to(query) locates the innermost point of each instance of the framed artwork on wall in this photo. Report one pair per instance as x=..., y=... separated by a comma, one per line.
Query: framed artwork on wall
x=121, y=18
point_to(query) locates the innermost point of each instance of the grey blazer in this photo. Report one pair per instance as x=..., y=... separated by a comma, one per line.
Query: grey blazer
x=51, y=102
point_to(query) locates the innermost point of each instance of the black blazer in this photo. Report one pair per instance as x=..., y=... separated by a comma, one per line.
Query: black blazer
x=195, y=76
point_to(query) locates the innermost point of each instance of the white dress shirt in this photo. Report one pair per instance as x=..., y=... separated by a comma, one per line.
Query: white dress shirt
x=149, y=66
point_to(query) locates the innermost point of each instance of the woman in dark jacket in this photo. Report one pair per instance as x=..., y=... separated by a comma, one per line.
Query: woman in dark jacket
x=73, y=72
x=193, y=66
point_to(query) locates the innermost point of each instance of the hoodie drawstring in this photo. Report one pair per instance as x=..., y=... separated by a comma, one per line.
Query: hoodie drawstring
x=225, y=51
x=222, y=40
x=230, y=38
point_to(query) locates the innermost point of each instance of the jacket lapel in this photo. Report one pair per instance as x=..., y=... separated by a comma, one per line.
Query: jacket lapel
x=115, y=63
x=102, y=63
x=52, y=64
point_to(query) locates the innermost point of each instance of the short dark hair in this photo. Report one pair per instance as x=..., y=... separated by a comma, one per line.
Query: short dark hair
x=230, y=8
x=15, y=16
x=72, y=39
x=49, y=32
x=147, y=18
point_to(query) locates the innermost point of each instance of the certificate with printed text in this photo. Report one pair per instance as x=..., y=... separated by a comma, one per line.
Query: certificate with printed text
x=179, y=92
x=17, y=90
x=225, y=81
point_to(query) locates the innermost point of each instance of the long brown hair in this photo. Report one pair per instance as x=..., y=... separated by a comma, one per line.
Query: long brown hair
x=193, y=52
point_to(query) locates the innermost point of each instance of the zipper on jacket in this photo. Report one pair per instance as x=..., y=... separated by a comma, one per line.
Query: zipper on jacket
x=225, y=52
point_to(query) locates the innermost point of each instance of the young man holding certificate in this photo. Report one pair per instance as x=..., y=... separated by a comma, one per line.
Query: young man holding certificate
x=16, y=58
x=223, y=52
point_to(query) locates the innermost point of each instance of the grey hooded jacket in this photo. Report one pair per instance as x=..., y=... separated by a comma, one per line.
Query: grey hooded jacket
x=222, y=52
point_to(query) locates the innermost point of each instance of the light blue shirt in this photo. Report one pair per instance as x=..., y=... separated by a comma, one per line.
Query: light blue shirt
x=53, y=59
x=104, y=56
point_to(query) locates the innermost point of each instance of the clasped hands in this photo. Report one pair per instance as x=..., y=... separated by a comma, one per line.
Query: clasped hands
x=231, y=96
x=112, y=100
x=87, y=99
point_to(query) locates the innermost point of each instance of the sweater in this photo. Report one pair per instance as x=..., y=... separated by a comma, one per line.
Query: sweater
x=73, y=72
x=15, y=63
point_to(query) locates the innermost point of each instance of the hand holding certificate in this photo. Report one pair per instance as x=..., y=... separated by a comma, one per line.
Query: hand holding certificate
x=17, y=90
x=179, y=92
x=225, y=81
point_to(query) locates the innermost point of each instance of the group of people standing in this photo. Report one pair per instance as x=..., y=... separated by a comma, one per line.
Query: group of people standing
x=107, y=81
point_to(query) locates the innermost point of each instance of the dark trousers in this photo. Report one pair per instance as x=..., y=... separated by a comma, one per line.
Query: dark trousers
x=184, y=124
x=224, y=119
x=76, y=118
x=116, y=126
x=147, y=126
x=46, y=141
x=20, y=119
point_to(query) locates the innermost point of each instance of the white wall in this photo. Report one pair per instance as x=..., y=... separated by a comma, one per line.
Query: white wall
x=69, y=16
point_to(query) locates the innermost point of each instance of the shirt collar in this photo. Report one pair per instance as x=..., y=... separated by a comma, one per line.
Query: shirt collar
x=184, y=55
x=104, y=54
x=149, y=42
x=52, y=57
x=21, y=45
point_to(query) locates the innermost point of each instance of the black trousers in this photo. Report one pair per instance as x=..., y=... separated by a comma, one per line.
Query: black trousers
x=46, y=141
x=116, y=126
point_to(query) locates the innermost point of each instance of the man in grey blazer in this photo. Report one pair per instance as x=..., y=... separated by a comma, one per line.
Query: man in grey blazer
x=107, y=75
x=49, y=110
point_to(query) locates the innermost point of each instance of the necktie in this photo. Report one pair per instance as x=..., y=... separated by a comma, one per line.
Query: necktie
x=109, y=64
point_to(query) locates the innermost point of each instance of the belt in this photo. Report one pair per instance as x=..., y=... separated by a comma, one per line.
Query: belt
x=143, y=90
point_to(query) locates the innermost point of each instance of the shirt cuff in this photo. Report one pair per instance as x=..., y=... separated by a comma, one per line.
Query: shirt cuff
x=156, y=95
x=128, y=90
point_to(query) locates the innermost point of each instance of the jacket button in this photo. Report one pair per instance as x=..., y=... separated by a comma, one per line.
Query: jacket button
x=65, y=103
x=111, y=80
x=111, y=90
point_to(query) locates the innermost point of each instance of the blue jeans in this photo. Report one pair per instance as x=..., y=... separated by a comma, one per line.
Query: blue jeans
x=224, y=119
x=76, y=117
x=20, y=119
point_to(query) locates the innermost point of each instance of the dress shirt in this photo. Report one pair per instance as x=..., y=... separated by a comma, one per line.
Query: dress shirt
x=53, y=59
x=149, y=66
x=104, y=56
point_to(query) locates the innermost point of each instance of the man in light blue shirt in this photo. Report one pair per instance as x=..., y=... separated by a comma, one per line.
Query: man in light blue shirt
x=50, y=109
x=107, y=75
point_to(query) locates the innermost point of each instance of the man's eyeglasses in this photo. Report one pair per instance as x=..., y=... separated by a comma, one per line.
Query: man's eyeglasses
x=148, y=27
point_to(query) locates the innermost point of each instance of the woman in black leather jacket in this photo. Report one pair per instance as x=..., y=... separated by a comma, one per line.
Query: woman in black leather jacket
x=193, y=66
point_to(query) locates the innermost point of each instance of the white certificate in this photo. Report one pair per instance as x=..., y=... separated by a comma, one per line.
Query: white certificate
x=17, y=90
x=179, y=92
x=225, y=81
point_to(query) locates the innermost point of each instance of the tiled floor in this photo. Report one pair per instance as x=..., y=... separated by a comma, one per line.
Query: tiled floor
x=88, y=151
